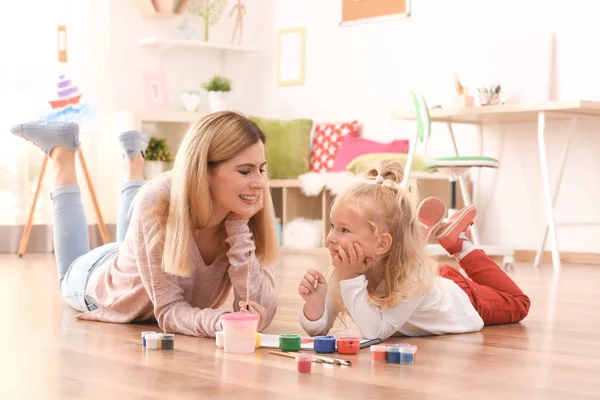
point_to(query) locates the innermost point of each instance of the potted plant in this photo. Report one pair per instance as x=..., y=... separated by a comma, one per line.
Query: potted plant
x=157, y=155
x=218, y=88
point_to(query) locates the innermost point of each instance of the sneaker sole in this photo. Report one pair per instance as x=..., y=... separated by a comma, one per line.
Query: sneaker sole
x=430, y=226
x=134, y=135
x=462, y=219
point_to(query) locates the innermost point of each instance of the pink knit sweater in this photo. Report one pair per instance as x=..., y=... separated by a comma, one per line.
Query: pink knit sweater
x=134, y=287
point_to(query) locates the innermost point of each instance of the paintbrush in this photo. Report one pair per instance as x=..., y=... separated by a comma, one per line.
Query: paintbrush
x=318, y=359
x=290, y=355
x=336, y=361
x=248, y=281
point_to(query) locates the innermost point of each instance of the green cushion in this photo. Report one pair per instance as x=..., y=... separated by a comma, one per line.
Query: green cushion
x=364, y=162
x=287, y=147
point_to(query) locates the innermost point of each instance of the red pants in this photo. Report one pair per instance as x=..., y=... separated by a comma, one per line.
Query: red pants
x=497, y=299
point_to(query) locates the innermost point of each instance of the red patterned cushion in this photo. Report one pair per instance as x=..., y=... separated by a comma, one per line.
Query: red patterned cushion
x=326, y=143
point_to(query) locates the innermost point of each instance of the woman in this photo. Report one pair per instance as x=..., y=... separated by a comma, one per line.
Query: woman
x=183, y=239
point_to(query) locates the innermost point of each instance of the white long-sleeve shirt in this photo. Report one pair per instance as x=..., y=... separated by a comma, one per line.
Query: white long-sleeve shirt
x=445, y=308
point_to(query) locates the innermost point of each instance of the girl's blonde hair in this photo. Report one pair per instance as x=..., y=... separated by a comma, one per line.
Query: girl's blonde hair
x=214, y=139
x=407, y=266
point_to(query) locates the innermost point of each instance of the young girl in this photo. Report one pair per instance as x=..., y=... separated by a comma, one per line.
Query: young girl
x=386, y=281
x=190, y=232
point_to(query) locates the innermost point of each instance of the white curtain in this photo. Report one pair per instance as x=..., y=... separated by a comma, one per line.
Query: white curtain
x=28, y=77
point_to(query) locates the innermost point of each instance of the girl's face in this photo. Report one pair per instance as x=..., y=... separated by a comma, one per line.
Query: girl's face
x=237, y=185
x=348, y=226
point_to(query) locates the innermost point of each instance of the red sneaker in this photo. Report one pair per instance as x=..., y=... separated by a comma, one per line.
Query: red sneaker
x=430, y=213
x=449, y=234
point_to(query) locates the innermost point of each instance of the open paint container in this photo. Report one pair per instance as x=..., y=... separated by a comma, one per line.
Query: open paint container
x=290, y=342
x=324, y=344
x=348, y=345
x=239, y=332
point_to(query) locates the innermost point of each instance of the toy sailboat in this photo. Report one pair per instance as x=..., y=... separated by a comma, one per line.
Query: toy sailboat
x=67, y=93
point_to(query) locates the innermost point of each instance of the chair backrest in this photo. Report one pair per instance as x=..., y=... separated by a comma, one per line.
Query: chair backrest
x=423, y=117
x=422, y=134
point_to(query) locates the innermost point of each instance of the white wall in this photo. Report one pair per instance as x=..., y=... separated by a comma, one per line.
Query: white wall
x=365, y=71
x=117, y=27
x=186, y=68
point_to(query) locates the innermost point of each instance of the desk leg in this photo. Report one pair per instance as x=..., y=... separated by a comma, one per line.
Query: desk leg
x=547, y=190
x=562, y=162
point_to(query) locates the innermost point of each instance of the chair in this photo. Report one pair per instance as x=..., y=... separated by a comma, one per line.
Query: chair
x=454, y=166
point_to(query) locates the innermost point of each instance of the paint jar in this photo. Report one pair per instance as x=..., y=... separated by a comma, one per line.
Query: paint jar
x=219, y=339
x=407, y=354
x=239, y=332
x=393, y=354
x=153, y=341
x=144, y=337
x=167, y=341
x=290, y=342
x=378, y=353
x=324, y=344
x=407, y=345
x=304, y=363
x=348, y=345
x=257, y=342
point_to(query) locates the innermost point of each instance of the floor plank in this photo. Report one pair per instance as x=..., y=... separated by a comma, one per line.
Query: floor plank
x=553, y=354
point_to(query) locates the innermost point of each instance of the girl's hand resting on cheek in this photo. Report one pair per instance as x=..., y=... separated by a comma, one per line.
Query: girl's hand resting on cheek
x=314, y=306
x=257, y=309
x=352, y=262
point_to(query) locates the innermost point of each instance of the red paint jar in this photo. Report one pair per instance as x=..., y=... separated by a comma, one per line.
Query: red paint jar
x=378, y=353
x=348, y=345
x=304, y=362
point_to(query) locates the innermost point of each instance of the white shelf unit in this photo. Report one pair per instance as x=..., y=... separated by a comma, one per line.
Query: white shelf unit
x=176, y=117
x=165, y=44
x=172, y=125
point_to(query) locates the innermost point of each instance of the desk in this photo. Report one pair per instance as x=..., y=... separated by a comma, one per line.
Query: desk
x=513, y=113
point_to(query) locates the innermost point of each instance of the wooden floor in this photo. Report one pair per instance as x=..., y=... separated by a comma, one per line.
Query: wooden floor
x=46, y=354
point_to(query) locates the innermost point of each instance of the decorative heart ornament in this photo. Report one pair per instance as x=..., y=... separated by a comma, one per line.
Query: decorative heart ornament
x=190, y=101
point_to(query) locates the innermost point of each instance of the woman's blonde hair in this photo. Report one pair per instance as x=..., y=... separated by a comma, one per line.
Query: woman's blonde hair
x=214, y=139
x=407, y=266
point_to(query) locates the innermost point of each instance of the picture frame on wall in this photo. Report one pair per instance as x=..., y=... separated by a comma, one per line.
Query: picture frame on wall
x=290, y=56
x=360, y=11
x=155, y=90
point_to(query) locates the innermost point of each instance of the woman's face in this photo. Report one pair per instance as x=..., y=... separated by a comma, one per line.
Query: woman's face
x=237, y=185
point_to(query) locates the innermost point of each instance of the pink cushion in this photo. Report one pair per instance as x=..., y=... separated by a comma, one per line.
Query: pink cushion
x=326, y=143
x=352, y=147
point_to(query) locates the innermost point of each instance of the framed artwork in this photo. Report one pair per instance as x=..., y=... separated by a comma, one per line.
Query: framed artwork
x=357, y=11
x=290, y=56
x=155, y=90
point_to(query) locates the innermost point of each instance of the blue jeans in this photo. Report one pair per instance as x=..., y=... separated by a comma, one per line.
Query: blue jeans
x=74, y=260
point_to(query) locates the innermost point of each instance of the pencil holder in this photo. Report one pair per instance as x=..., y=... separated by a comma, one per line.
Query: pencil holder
x=489, y=99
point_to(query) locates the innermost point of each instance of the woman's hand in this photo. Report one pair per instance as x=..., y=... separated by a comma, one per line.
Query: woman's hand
x=257, y=309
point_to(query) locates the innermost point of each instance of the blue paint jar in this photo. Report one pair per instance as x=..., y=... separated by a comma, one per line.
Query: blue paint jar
x=393, y=354
x=324, y=344
x=144, y=337
x=407, y=355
